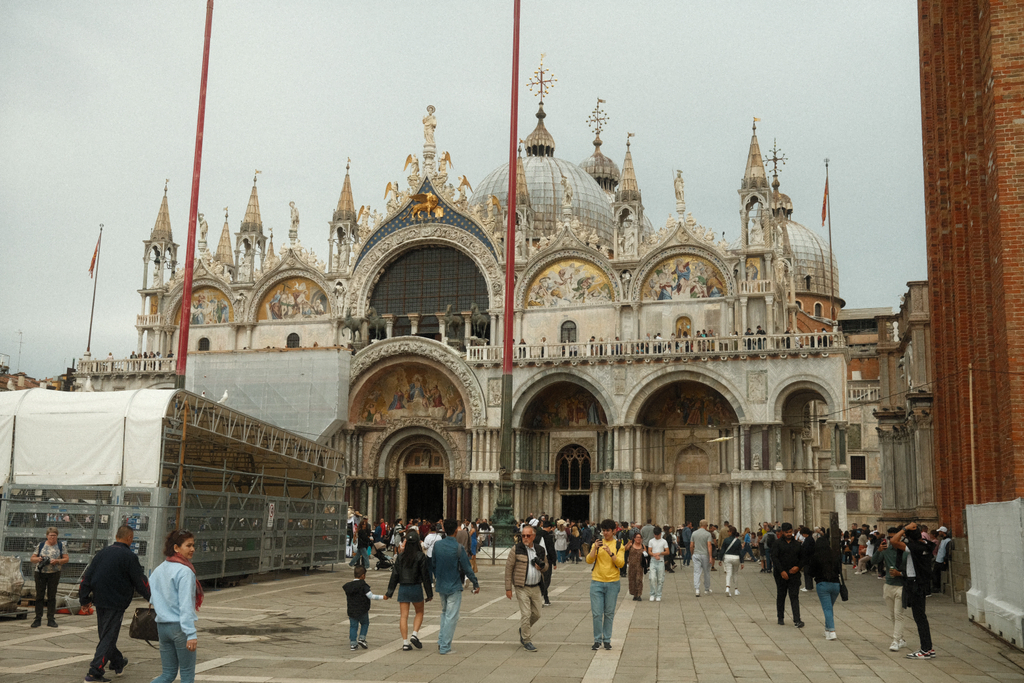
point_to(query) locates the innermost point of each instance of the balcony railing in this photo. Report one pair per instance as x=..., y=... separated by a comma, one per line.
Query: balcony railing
x=650, y=349
x=148, y=320
x=756, y=287
x=863, y=393
x=127, y=366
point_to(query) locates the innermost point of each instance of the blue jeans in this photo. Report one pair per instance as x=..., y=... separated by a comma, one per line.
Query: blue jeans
x=561, y=556
x=450, y=604
x=828, y=592
x=603, y=595
x=767, y=558
x=358, y=626
x=657, y=573
x=174, y=656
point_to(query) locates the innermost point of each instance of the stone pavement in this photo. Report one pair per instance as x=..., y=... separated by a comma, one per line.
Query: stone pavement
x=293, y=628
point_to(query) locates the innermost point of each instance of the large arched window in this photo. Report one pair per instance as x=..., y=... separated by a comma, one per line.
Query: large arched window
x=568, y=333
x=574, y=469
x=426, y=281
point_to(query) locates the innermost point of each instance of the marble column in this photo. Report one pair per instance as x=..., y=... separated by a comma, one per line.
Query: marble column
x=840, y=487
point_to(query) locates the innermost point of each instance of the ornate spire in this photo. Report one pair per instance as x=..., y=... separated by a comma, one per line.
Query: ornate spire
x=601, y=168
x=162, y=227
x=628, y=189
x=754, y=175
x=272, y=260
x=346, y=210
x=224, y=245
x=522, y=191
x=252, y=220
x=539, y=143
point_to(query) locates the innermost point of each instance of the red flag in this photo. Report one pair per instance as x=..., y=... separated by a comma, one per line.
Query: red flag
x=95, y=253
x=824, y=204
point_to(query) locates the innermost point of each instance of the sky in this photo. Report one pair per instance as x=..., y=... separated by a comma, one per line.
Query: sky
x=98, y=106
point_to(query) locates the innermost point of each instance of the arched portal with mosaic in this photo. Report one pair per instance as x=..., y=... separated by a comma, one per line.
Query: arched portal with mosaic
x=687, y=404
x=564, y=405
x=210, y=306
x=294, y=298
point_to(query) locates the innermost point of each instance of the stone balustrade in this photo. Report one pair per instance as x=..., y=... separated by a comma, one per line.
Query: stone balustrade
x=650, y=349
x=153, y=320
x=863, y=392
x=756, y=287
x=127, y=366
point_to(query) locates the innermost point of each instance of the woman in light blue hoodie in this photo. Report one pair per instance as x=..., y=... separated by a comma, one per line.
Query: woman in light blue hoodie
x=176, y=595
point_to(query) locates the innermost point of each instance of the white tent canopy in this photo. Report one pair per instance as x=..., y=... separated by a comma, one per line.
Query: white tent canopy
x=82, y=439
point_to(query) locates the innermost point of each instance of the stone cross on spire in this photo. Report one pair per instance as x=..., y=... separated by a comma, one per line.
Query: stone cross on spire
x=597, y=120
x=775, y=159
x=542, y=80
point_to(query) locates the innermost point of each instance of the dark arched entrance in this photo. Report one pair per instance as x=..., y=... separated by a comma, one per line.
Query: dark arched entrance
x=573, y=467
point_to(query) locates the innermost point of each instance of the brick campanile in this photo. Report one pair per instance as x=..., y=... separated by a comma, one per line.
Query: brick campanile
x=972, y=110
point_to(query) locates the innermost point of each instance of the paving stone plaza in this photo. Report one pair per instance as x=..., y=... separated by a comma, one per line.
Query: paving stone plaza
x=293, y=628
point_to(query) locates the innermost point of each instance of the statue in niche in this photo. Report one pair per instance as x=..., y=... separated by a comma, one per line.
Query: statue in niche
x=520, y=242
x=629, y=229
x=429, y=125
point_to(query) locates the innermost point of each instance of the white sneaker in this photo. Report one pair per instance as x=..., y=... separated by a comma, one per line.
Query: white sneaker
x=903, y=643
x=736, y=592
x=895, y=647
x=727, y=593
x=831, y=635
x=652, y=598
x=707, y=592
x=803, y=590
x=657, y=599
x=697, y=594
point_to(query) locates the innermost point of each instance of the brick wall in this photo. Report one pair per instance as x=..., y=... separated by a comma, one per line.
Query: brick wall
x=972, y=97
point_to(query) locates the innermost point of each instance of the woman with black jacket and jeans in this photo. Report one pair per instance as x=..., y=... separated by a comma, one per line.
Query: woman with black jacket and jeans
x=825, y=567
x=411, y=575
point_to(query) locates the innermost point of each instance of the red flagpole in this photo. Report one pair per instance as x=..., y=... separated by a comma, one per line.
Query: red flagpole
x=503, y=510
x=190, y=246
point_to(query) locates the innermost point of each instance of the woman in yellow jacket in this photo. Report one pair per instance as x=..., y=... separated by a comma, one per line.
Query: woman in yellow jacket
x=608, y=556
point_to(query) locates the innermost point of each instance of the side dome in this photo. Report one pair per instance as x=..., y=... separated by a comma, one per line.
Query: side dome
x=601, y=168
x=811, y=256
x=544, y=183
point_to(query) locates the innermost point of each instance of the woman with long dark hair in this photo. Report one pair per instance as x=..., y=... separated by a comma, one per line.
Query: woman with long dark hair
x=825, y=567
x=411, y=575
x=635, y=552
x=176, y=596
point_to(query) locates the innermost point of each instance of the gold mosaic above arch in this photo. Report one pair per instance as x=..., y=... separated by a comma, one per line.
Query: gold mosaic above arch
x=294, y=299
x=569, y=282
x=685, y=276
x=210, y=306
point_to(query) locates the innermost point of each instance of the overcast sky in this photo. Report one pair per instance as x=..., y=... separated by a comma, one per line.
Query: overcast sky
x=98, y=105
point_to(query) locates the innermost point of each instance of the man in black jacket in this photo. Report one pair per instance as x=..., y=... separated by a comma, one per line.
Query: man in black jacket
x=110, y=582
x=546, y=537
x=786, y=569
x=917, y=582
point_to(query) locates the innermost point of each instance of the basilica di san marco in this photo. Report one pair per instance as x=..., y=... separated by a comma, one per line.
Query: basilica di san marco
x=662, y=369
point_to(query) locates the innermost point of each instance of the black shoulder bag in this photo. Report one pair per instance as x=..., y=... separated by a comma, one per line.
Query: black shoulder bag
x=143, y=626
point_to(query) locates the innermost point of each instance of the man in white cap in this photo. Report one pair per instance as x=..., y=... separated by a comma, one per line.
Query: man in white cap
x=942, y=552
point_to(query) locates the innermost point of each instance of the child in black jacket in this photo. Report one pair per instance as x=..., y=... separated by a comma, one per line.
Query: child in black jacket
x=359, y=595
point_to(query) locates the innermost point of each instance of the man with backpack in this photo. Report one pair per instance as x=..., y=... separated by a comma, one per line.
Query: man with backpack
x=48, y=558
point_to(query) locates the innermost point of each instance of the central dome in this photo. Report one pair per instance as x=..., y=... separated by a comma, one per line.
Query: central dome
x=544, y=183
x=813, y=258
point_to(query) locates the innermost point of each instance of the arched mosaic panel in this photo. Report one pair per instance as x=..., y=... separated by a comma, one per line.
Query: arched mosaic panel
x=564, y=405
x=407, y=391
x=685, y=276
x=210, y=306
x=293, y=299
x=569, y=282
x=687, y=404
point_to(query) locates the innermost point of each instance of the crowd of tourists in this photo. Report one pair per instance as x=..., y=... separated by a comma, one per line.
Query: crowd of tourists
x=440, y=559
